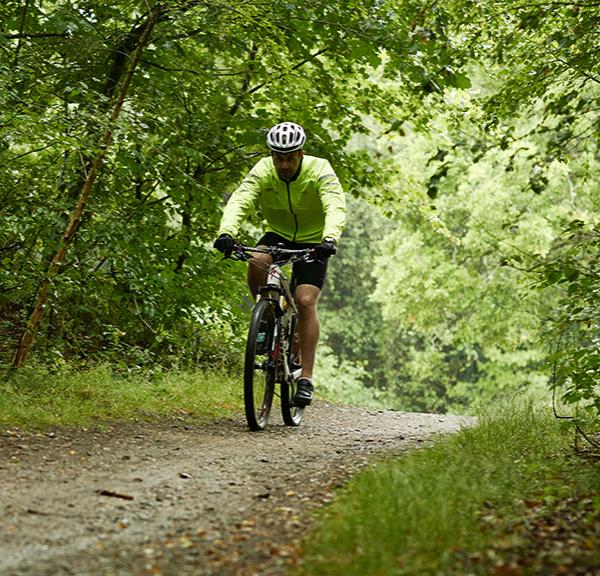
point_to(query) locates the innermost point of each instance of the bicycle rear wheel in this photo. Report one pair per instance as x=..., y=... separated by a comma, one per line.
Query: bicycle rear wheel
x=292, y=415
x=259, y=366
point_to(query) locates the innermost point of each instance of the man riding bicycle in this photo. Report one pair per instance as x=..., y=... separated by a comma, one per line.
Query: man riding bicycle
x=303, y=204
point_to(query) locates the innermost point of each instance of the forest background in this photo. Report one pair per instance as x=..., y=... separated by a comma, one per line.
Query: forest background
x=466, y=136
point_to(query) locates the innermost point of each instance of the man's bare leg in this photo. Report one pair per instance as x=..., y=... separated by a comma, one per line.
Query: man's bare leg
x=306, y=297
x=257, y=271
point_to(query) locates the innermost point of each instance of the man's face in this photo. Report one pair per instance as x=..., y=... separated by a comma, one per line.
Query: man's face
x=287, y=164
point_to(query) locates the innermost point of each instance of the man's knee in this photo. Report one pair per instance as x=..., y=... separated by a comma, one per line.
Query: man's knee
x=259, y=264
x=306, y=299
x=260, y=260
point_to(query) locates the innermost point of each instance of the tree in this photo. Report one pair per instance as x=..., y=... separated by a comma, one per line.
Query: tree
x=504, y=164
x=212, y=78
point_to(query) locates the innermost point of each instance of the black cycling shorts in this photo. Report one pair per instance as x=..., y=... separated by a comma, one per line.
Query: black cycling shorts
x=312, y=273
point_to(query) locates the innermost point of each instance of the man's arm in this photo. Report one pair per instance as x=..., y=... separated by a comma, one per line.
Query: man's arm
x=241, y=201
x=334, y=203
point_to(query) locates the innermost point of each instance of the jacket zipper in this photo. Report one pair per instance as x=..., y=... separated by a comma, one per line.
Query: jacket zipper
x=287, y=184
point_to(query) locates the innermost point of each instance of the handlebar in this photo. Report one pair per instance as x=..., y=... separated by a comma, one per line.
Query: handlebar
x=279, y=254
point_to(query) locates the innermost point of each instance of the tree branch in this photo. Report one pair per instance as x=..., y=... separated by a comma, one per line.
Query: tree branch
x=295, y=67
x=190, y=71
x=570, y=66
x=21, y=28
x=246, y=82
x=21, y=35
x=29, y=152
x=122, y=53
x=556, y=3
x=75, y=218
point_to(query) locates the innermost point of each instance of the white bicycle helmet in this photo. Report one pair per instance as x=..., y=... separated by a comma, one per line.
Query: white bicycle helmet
x=286, y=137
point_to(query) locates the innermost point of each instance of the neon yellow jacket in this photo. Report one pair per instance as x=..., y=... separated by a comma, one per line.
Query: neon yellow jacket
x=308, y=209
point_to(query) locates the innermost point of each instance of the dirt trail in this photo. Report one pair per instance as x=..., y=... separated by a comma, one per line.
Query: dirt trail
x=178, y=498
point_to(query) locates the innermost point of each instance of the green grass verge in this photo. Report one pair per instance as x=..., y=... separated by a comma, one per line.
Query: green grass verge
x=441, y=510
x=38, y=397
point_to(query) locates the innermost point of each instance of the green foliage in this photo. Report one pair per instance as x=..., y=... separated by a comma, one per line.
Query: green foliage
x=538, y=102
x=539, y=106
x=469, y=323
x=488, y=174
x=352, y=325
x=210, y=83
x=572, y=269
x=446, y=318
x=429, y=512
x=342, y=380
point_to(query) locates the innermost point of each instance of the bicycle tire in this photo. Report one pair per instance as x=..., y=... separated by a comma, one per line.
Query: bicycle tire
x=259, y=366
x=292, y=415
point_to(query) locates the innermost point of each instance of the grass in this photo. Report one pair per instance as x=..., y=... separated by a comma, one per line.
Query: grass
x=38, y=397
x=451, y=508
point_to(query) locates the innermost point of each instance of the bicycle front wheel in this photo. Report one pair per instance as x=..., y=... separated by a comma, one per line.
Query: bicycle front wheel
x=259, y=366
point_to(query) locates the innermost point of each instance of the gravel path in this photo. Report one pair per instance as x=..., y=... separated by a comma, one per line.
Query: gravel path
x=178, y=498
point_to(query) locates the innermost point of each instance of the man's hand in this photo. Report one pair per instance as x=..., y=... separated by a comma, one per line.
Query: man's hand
x=326, y=248
x=224, y=243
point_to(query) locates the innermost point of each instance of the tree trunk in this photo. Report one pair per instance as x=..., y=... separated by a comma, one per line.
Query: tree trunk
x=75, y=217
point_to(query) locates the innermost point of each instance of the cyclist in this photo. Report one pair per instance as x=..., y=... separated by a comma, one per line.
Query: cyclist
x=303, y=204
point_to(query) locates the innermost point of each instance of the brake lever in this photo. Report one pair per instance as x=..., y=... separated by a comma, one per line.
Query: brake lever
x=235, y=254
x=241, y=255
x=311, y=257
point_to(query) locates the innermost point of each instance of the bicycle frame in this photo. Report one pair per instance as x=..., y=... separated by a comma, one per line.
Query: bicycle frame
x=278, y=282
x=277, y=289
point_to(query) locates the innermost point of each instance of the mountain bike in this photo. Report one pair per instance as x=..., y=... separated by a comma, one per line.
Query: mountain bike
x=272, y=351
